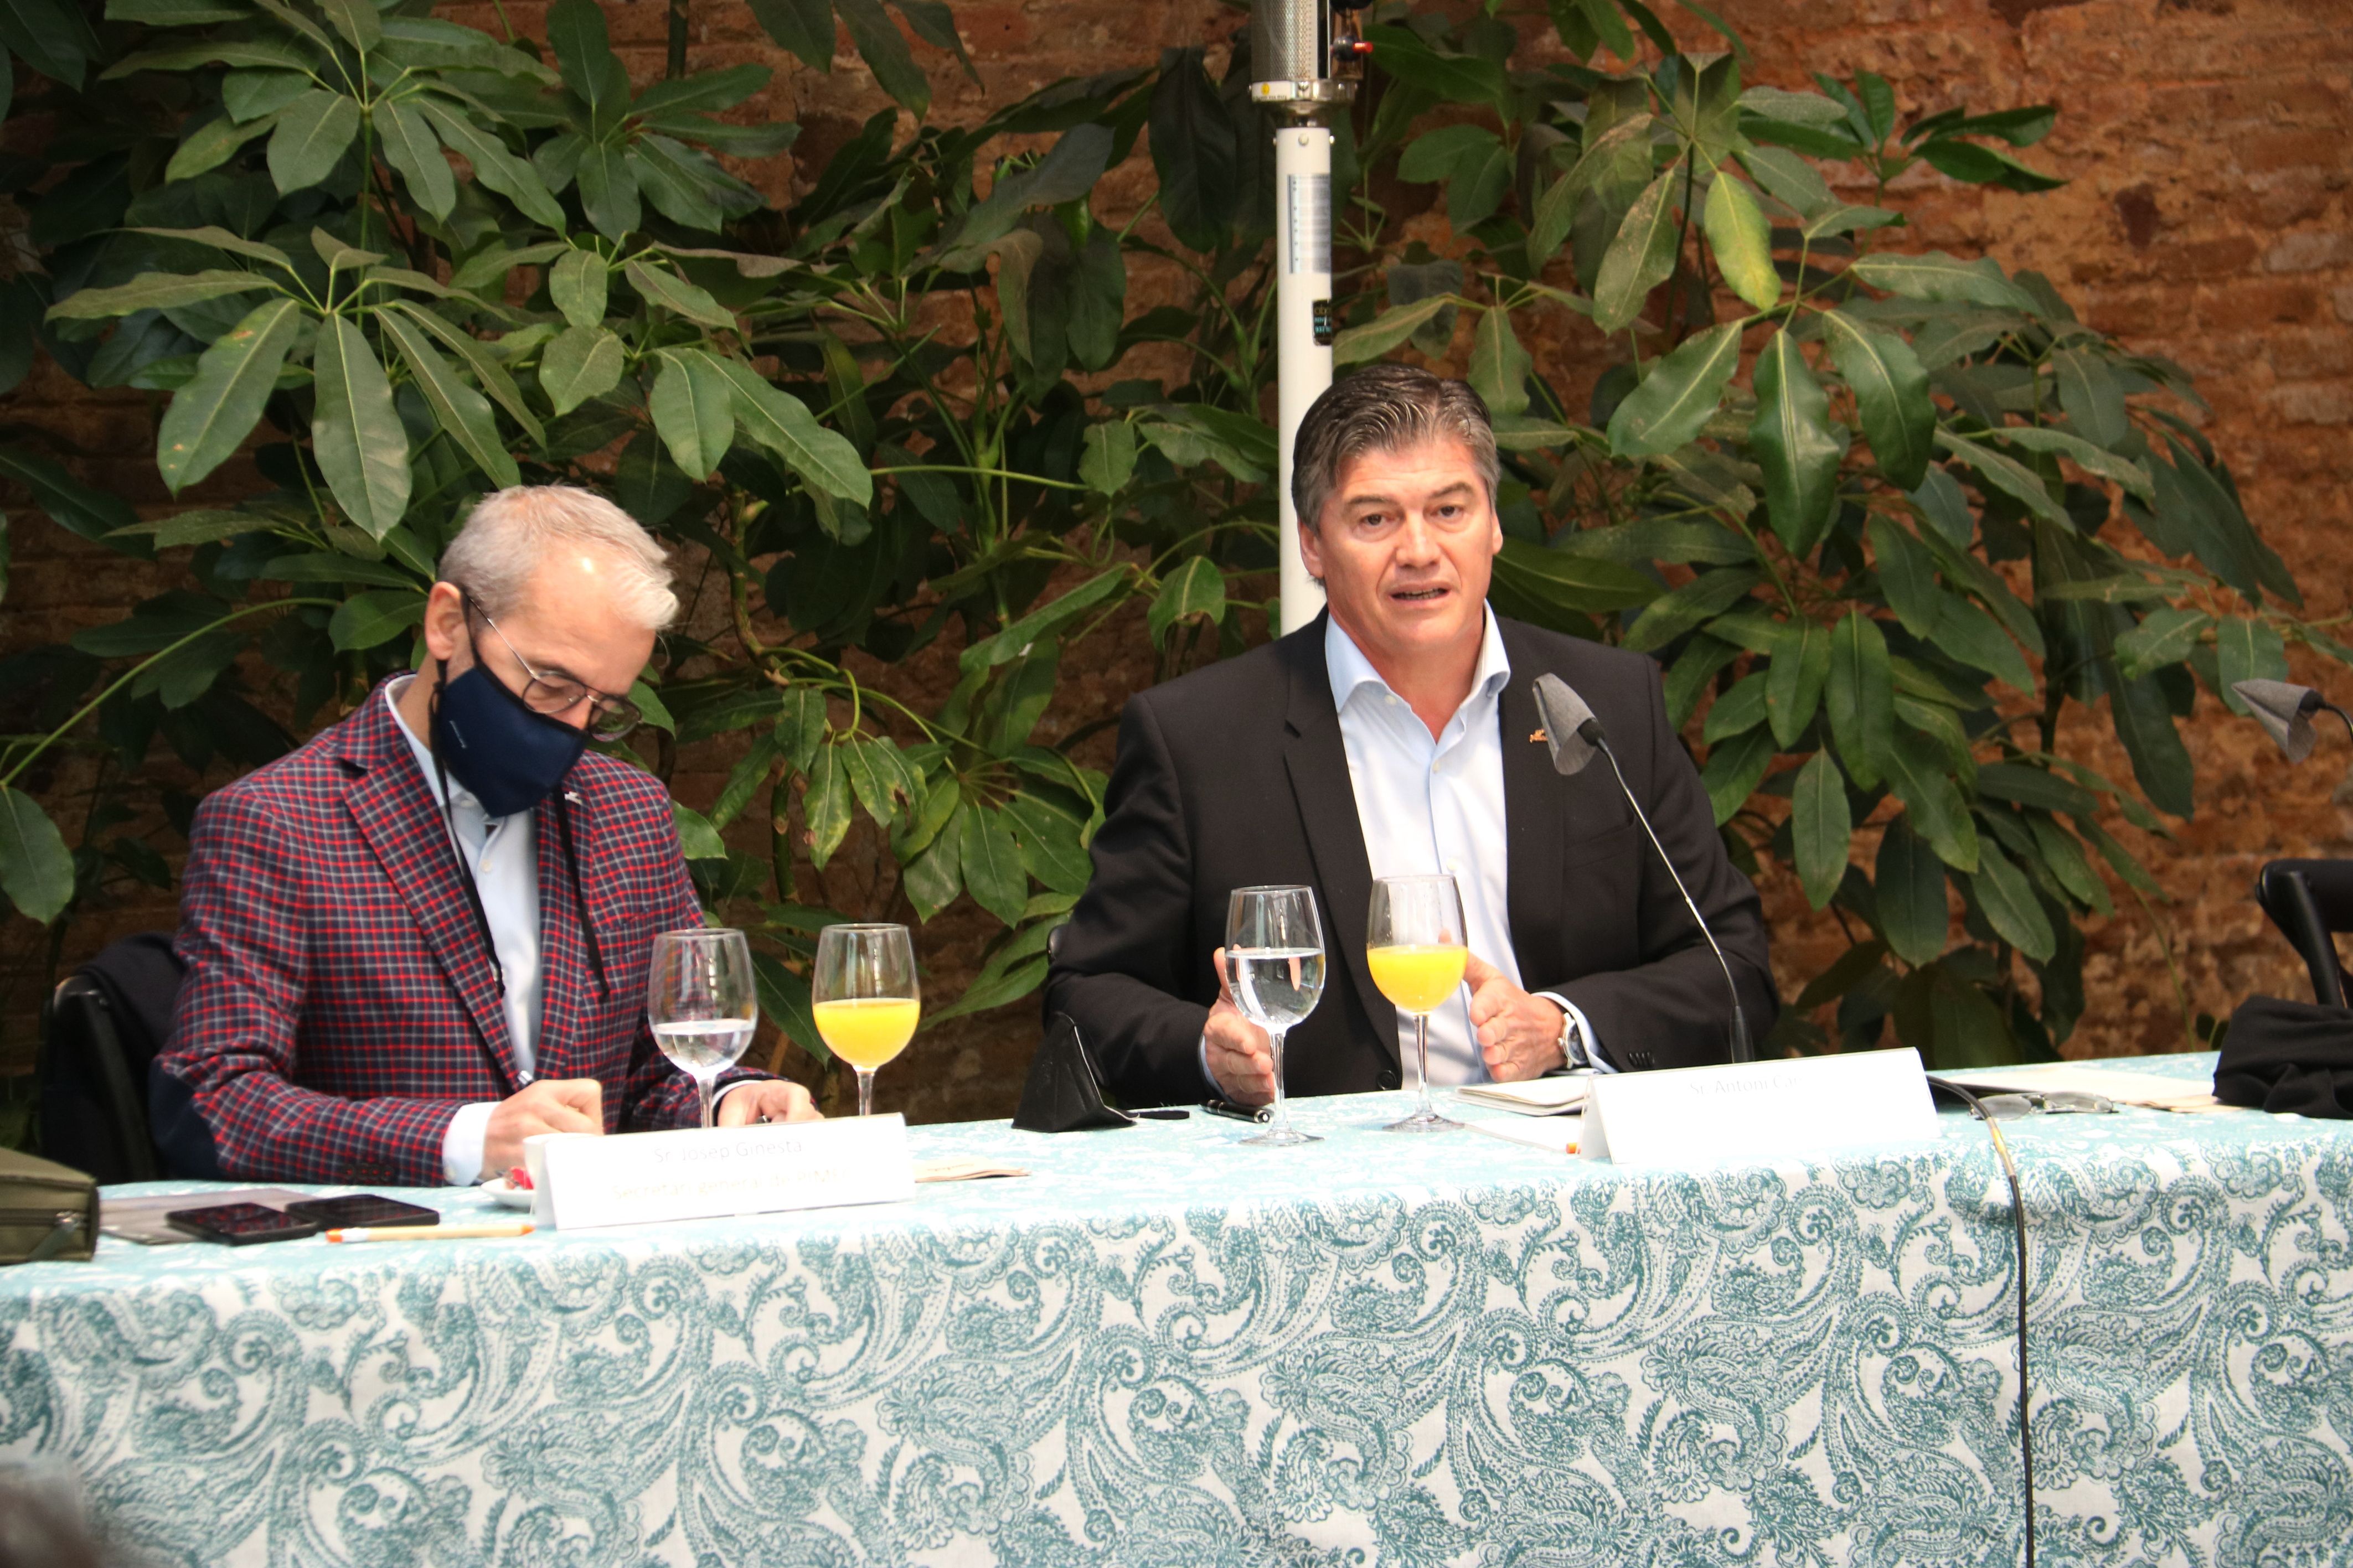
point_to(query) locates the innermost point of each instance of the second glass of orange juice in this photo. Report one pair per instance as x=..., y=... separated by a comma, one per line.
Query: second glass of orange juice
x=865, y=998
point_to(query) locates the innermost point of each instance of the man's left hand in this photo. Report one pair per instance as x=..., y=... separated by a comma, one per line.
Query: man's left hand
x=1518, y=1035
x=767, y=1100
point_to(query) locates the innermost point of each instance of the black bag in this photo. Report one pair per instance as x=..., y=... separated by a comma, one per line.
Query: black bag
x=2281, y=1056
x=100, y=1033
x=1063, y=1095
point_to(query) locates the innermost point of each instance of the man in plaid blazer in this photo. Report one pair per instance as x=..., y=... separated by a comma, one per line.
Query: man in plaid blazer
x=360, y=1004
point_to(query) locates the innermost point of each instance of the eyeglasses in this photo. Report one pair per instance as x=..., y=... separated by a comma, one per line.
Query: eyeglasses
x=2064, y=1102
x=609, y=717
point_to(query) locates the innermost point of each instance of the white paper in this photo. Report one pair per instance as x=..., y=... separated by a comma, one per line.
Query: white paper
x=763, y=1168
x=1757, y=1112
x=1555, y=1134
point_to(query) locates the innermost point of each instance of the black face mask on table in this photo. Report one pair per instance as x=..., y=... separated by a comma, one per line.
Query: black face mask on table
x=509, y=757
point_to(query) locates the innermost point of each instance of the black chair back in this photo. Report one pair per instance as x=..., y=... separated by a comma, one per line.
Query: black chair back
x=100, y=1032
x=2310, y=901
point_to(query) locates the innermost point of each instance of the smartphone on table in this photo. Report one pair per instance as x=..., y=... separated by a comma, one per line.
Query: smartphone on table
x=355, y=1210
x=242, y=1224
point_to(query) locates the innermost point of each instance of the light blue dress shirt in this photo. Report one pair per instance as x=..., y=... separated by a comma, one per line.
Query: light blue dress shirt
x=1436, y=804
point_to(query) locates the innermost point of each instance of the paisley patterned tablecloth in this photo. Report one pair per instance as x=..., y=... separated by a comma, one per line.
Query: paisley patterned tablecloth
x=1163, y=1350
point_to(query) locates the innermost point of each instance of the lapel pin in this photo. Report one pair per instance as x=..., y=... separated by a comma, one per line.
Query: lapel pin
x=573, y=797
x=1536, y=738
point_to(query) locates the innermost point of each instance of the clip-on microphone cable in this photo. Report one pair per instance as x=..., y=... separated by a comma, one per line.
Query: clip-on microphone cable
x=2018, y=1224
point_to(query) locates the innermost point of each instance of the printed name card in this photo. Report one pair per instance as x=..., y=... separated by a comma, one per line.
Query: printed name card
x=698, y=1174
x=1757, y=1112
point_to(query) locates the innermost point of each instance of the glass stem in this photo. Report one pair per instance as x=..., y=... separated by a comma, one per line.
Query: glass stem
x=704, y=1088
x=1281, y=1120
x=1422, y=1061
x=865, y=1091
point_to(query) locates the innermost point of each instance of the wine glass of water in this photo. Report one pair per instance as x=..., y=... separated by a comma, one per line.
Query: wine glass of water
x=701, y=1004
x=1414, y=945
x=1274, y=963
x=865, y=999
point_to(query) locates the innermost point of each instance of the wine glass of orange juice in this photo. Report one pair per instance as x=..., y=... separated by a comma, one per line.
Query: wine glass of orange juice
x=865, y=998
x=1414, y=946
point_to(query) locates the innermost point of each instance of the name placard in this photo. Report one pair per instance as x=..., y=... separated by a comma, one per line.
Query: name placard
x=697, y=1175
x=1756, y=1112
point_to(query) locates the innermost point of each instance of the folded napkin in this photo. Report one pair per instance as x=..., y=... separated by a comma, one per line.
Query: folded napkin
x=2285, y=1056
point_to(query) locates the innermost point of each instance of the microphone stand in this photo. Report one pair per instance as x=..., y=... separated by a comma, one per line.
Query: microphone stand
x=1742, y=1050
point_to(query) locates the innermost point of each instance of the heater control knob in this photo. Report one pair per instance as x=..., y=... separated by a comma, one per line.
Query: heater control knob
x=1351, y=51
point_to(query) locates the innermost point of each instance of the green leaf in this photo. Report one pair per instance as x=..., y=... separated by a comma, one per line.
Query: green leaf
x=581, y=362
x=1196, y=588
x=213, y=143
x=1010, y=641
x=1642, y=255
x=365, y=620
x=776, y=419
x=876, y=779
x=2092, y=397
x=885, y=52
x=608, y=191
x=826, y=806
x=210, y=417
x=1499, y=365
x=2006, y=475
x=577, y=283
x=2246, y=650
x=312, y=135
x=1109, y=460
x=1891, y=392
x=1678, y=396
x=410, y=147
x=1589, y=585
x=1861, y=697
x=2164, y=637
x=2092, y=459
x=1739, y=710
x=1793, y=685
x=261, y=53
x=464, y=413
x=1743, y=242
x=1705, y=595
x=1933, y=275
x=679, y=297
x=1977, y=639
x=334, y=566
x=583, y=54
x=1387, y=330
x=698, y=839
x=496, y=167
x=803, y=27
x=358, y=439
x=1977, y=165
x=1920, y=774
x=1795, y=445
x=37, y=870
x=2068, y=866
x=488, y=371
x=1733, y=770
x=991, y=857
x=1050, y=840
x=2008, y=901
x=1821, y=827
x=155, y=291
x=1908, y=882
x=1193, y=151
x=1790, y=179
x=693, y=410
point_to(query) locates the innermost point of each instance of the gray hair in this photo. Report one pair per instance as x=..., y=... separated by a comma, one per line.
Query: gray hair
x=1380, y=409
x=511, y=532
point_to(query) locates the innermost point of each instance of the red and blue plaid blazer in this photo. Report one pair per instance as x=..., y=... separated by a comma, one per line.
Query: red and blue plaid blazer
x=339, y=1006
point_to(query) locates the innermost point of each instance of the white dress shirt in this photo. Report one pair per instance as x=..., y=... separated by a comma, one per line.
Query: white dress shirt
x=503, y=853
x=1429, y=805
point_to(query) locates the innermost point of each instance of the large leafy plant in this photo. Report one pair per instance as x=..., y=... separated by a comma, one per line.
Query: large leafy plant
x=1909, y=518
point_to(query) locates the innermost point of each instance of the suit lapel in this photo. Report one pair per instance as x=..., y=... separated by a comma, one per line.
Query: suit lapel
x=1317, y=760
x=567, y=985
x=393, y=812
x=1532, y=809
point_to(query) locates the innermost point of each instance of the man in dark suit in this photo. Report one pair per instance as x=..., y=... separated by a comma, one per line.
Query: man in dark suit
x=1398, y=734
x=424, y=936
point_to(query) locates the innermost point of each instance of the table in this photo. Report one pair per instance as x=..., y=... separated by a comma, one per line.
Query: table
x=1162, y=1350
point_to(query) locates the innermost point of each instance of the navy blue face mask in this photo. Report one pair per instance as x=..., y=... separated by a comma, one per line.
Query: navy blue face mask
x=508, y=756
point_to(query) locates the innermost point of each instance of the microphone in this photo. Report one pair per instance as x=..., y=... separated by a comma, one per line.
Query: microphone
x=1573, y=734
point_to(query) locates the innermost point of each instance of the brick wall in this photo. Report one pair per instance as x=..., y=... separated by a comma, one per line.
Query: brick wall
x=2206, y=141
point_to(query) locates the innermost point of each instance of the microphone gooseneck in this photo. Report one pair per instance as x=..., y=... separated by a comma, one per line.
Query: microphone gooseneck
x=1573, y=734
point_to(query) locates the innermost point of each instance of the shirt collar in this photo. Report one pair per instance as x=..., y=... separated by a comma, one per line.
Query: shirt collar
x=1351, y=671
x=459, y=795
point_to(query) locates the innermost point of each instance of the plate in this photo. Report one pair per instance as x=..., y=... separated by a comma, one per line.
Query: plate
x=514, y=1197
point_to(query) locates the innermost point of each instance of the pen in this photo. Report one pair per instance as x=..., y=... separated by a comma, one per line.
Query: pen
x=1227, y=1108
x=426, y=1232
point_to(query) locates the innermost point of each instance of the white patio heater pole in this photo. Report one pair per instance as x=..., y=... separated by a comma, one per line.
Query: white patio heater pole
x=1301, y=62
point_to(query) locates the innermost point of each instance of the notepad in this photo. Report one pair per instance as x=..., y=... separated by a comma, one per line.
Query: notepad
x=1559, y=1095
x=1554, y=1134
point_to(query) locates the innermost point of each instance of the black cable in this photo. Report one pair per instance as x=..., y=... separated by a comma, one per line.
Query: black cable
x=2018, y=1224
